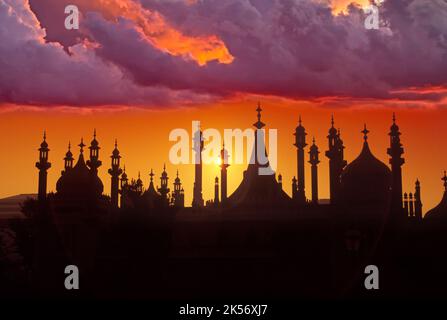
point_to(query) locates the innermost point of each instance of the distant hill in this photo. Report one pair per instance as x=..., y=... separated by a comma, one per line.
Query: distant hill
x=10, y=207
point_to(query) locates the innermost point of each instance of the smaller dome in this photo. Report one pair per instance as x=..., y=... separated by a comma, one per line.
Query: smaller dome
x=94, y=143
x=440, y=211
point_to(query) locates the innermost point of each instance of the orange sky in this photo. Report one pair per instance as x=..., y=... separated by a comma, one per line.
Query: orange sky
x=143, y=141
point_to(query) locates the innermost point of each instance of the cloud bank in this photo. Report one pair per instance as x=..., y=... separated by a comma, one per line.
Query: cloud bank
x=165, y=53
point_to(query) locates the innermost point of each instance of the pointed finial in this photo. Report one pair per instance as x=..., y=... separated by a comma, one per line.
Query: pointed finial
x=299, y=121
x=259, y=124
x=365, y=133
x=332, y=120
x=177, y=173
x=164, y=166
x=45, y=135
x=152, y=175
x=116, y=143
x=313, y=140
x=94, y=133
x=82, y=145
x=124, y=169
x=139, y=175
x=69, y=145
x=394, y=118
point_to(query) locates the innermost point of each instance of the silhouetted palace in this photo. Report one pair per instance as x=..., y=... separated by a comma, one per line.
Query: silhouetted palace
x=256, y=242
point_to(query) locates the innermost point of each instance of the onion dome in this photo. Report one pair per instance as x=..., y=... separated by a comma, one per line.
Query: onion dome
x=69, y=154
x=332, y=130
x=44, y=144
x=366, y=181
x=124, y=175
x=94, y=142
x=440, y=211
x=116, y=152
x=79, y=182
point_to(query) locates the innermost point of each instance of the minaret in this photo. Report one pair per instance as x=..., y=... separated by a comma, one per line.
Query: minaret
x=139, y=184
x=164, y=190
x=336, y=161
x=43, y=165
x=124, y=185
x=406, y=208
x=223, y=174
x=294, y=188
x=300, y=144
x=395, y=151
x=417, y=200
x=94, y=163
x=314, y=161
x=178, y=197
x=115, y=171
x=197, y=200
x=68, y=160
x=216, y=191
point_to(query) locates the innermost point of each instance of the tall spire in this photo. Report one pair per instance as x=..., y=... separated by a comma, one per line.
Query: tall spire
x=68, y=160
x=43, y=165
x=395, y=151
x=94, y=163
x=335, y=153
x=300, y=144
x=164, y=190
x=152, y=175
x=365, y=132
x=178, y=196
x=314, y=161
x=115, y=171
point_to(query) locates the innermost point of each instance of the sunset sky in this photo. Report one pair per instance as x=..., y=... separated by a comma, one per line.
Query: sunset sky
x=135, y=70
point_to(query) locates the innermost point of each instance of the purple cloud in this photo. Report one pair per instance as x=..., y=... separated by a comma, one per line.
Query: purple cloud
x=294, y=49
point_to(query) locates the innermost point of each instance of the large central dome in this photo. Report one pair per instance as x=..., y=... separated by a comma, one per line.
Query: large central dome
x=79, y=182
x=366, y=181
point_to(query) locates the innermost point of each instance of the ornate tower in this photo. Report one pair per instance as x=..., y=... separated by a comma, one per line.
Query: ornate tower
x=139, y=184
x=314, y=161
x=43, y=165
x=418, y=201
x=178, y=196
x=197, y=200
x=164, y=190
x=395, y=151
x=68, y=160
x=94, y=163
x=124, y=186
x=300, y=144
x=216, y=191
x=115, y=171
x=223, y=174
x=294, y=187
x=337, y=162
